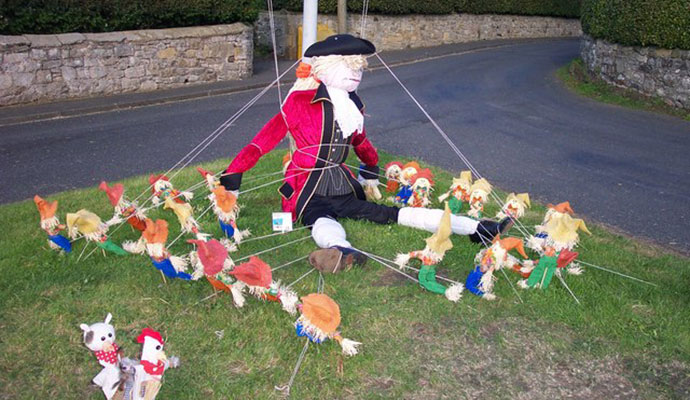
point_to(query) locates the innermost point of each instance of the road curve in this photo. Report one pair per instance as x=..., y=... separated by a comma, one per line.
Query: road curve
x=501, y=106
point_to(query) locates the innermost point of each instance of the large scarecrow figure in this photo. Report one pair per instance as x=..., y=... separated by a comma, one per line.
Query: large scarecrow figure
x=324, y=116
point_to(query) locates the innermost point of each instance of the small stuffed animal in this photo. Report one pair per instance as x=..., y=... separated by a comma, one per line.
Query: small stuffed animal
x=422, y=186
x=405, y=192
x=100, y=339
x=149, y=373
x=479, y=194
x=393, y=171
x=459, y=192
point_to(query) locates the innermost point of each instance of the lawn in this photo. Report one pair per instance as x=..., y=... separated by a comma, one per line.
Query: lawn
x=624, y=339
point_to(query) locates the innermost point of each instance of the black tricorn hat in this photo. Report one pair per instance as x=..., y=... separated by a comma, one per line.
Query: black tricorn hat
x=342, y=45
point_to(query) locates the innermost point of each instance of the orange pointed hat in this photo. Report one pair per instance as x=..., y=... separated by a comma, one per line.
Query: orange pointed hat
x=321, y=311
x=212, y=255
x=46, y=209
x=203, y=172
x=562, y=207
x=226, y=201
x=511, y=243
x=114, y=192
x=255, y=272
x=156, y=232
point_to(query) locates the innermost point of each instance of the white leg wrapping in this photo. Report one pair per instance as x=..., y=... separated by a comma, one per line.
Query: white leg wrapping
x=428, y=220
x=328, y=232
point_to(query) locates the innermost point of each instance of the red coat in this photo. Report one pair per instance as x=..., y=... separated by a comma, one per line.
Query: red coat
x=310, y=120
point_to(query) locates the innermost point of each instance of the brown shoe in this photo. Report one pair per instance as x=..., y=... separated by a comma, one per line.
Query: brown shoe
x=330, y=260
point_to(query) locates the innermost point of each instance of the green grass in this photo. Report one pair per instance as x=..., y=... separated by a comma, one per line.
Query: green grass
x=624, y=337
x=576, y=77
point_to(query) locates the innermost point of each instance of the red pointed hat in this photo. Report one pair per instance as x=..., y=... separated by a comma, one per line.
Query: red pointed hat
x=203, y=172
x=155, y=178
x=156, y=232
x=212, y=255
x=150, y=333
x=114, y=192
x=566, y=257
x=255, y=272
x=392, y=163
x=424, y=173
x=46, y=209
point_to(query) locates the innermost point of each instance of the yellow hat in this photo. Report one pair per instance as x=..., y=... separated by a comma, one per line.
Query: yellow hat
x=563, y=228
x=440, y=241
x=85, y=221
x=481, y=184
x=182, y=210
x=524, y=199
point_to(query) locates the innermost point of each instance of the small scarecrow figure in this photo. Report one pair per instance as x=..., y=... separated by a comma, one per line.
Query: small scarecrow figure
x=405, y=192
x=224, y=206
x=256, y=276
x=152, y=242
x=514, y=206
x=558, y=229
x=479, y=194
x=549, y=263
x=459, y=192
x=124, y=208
x=392, y=173
x=51, y=224
x=93, y=229
x=211, y=260
x=422, y=186
x=100, y=339
x=320, y=320
x=148, y=376
x=481, y=280
x=436, y=247
x=162, y=189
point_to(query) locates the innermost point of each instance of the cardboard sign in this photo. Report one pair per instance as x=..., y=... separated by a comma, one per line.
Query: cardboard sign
x=282, y=221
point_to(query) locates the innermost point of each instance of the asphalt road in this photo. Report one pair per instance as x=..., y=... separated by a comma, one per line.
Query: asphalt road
x=502, y=107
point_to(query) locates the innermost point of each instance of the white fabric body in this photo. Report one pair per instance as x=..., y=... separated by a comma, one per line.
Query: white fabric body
x=328, y=232
x=429, y=219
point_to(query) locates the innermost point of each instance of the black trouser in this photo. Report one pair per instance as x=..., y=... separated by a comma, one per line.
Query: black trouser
x=348, y=206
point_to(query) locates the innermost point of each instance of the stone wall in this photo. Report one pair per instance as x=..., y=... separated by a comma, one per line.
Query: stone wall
x=50, y=67
x=652, y=71
x=407, y=31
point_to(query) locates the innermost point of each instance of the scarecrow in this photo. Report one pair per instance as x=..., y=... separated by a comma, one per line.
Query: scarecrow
x=93, y=230
x=515, y=206
x=152, y=241
x=459, y=192
x=408, y=172
x=558, y=229
x=481, y=280
x=256, y=276
x=422, y=186
x=211, y=260
x=51, y=224
x=548, y=264
x=324, y=116
x=320, y=320
x=124, y=208
x=479, y=195
x=436, y=247
x=225, y=207
x=392, y=172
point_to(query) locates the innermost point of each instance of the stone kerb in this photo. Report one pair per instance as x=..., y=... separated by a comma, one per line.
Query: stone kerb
x=649, y=70
x=50, y=67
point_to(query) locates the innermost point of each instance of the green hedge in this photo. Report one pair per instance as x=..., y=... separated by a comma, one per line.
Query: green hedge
x=557, y=8
x=663, y=23
x=59, y=16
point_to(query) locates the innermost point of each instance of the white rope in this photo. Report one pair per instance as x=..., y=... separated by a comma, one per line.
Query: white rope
x=386, y=265
x=274, y=248
x=276, y=234
x=301, y=277
x=365, y=12
x=558, y=274
x=286, y=388
x=616, y=273
x=414, y=269
x=289, y=263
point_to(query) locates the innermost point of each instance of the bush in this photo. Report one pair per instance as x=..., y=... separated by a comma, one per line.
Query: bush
x=663, y=23
x=59, y=16
x=558, y=8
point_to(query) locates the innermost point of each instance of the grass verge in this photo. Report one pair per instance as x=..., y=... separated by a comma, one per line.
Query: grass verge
x=576, y=77
x=625, y=340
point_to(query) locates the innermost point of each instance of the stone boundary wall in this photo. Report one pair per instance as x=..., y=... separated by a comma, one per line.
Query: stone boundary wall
x=409, y=31
x=50, y=67
x=649, y=70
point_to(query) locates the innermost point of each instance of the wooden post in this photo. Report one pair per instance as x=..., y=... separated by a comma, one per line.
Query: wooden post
x=342, y=16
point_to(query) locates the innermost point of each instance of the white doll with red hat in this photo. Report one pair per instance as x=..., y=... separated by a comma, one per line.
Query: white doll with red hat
x=148, y=374
x=100, y=339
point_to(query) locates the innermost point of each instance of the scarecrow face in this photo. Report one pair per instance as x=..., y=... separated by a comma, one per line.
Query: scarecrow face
x=407, y=174
x=393, y=172
x=422, y=186
x=478, y=197
x=514, y=208
x=162, y=185
x=345, y=73
x=461, y=189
